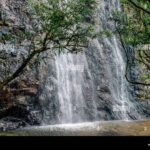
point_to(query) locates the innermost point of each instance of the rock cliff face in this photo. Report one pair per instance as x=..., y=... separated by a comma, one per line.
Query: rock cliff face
x=20, y=97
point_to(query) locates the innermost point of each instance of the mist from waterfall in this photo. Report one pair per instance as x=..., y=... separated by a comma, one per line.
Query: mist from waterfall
x=90, y=86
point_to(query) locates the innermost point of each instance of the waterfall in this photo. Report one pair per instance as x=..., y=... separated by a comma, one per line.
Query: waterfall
x=70, y=70
x=90, y=86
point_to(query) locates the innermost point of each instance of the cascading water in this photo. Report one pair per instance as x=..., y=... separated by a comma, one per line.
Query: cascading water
x=70, y=70
x=89, y=86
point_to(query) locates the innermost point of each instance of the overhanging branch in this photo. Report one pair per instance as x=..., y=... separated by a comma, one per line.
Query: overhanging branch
x=139, y=7
x=127, y=63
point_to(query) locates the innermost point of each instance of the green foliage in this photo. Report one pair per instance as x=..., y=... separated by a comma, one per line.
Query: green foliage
x=104, y=32
x=6, y=37
x=134, y=26
x=145, y=77
x=69, y=24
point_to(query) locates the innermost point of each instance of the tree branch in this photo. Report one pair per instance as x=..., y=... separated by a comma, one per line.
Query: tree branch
x=127, y=63
x=139, y=7
x=22, y=67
